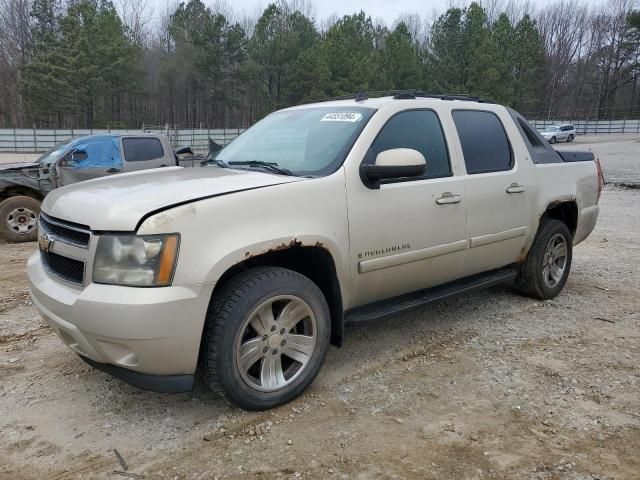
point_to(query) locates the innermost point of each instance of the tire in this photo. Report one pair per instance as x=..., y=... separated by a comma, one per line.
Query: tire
x=19, y=219
x=570, y=138
x=534, y=279
x=553, y=140
x=239, y=321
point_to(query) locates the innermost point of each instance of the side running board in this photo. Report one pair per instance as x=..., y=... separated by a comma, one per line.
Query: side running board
x=408, y=301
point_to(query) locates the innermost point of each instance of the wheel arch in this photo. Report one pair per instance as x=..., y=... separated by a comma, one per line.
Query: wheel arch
x=314, y=262
x=12, y=190
x=565, y=210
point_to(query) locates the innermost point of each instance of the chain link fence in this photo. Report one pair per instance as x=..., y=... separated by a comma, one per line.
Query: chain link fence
x=592, y=127
x=25, y=140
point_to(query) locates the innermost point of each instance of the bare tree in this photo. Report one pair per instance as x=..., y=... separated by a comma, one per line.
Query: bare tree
x=562, y=28
x=415, y=25
x=15, y=45
x=136, y=16
x=614, y=54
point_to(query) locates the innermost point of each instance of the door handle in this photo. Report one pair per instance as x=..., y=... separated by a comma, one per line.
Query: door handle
x=515, y=188
x=448, y=198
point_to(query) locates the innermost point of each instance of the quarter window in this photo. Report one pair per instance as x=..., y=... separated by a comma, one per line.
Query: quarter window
x=484, y=142
x=141, y=149
x=534, y=140
x=419, y=130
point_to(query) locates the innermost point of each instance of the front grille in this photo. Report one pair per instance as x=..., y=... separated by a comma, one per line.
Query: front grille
x=65, y=231
x=63, y=267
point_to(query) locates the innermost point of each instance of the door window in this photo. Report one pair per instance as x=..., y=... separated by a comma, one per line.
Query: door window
x=142, y=149
x=419, y=130
x=484, y=142
x=94, y=152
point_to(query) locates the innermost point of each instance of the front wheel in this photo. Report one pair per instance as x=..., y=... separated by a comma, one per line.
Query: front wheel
x=19, y=219
x=553, y=140
x=548, y=263
x=266, y=336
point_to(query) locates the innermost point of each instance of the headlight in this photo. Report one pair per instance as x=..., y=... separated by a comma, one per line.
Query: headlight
x=137, y=261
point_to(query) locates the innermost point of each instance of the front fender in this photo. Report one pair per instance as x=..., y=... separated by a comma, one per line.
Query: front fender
x=218, y=233
x=240, y=255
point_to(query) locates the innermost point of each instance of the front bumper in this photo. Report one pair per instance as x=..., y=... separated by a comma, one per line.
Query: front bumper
x=151, y=331
x=155, y=383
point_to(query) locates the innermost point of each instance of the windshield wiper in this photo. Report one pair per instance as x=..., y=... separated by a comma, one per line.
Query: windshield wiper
x=266, y=165
x=214, y=161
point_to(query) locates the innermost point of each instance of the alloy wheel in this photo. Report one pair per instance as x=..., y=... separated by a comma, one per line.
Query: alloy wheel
x=277, y=342
x=554, y=261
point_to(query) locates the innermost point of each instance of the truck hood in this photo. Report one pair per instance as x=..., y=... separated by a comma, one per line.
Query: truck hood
x=118, y=203
x=17, y=166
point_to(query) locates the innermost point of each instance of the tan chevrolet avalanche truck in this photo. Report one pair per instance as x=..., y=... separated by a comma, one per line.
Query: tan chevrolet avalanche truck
x=342, y=211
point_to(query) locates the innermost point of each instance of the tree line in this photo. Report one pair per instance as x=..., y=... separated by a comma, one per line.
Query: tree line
x=96, y=64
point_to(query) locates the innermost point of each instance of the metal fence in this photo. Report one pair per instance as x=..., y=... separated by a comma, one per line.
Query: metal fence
x=589, y=127
x=25, y=140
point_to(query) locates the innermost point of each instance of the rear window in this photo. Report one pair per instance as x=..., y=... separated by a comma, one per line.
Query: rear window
x=484, y=142
x=141, y=149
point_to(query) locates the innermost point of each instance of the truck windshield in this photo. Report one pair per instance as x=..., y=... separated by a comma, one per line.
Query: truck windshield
x=54, y=154
x=305, y=142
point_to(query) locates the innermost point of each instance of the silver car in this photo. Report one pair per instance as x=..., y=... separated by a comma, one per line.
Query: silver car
x=556, y=133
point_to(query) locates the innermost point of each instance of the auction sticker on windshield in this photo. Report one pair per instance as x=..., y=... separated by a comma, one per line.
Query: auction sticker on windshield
x=342, y=117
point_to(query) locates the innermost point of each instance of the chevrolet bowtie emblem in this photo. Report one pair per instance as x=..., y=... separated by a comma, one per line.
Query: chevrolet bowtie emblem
x=45, y=242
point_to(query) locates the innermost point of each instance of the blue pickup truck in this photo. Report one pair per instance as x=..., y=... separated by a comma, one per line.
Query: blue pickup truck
x=23, y=186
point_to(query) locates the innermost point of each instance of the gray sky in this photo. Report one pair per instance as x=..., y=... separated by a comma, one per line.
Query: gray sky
x=387, y=10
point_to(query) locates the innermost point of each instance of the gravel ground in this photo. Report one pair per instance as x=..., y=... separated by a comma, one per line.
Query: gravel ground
x=487, y=386
x=619, y=155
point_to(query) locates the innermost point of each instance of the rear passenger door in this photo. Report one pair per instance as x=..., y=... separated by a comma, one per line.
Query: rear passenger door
x=142, y=153
x=498, y=209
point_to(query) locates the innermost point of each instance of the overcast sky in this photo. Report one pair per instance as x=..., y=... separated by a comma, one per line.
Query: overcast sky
x=387, y=10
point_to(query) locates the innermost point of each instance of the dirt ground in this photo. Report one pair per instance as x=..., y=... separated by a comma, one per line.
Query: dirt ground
x=487, y=386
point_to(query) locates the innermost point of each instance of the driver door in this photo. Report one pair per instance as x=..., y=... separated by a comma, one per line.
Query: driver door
x=91, y=157
x=410, y=233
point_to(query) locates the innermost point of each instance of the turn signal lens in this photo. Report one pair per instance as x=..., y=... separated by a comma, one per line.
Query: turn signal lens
x=167, y=261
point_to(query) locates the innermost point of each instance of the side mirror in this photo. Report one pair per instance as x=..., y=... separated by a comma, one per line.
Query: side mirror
x=184, y=151
x=394, y=163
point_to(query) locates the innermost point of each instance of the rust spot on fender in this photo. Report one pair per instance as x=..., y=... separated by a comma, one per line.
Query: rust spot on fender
x=523, y=255
x=283, y=246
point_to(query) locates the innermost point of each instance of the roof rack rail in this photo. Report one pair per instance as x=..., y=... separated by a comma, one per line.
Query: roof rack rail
x=412, y=94
x=407, y=95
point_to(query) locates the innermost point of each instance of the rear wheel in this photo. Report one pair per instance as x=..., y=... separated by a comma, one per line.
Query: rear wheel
x=548, y=263
x=19, y=219
x=570, y=138
x=266, y=337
